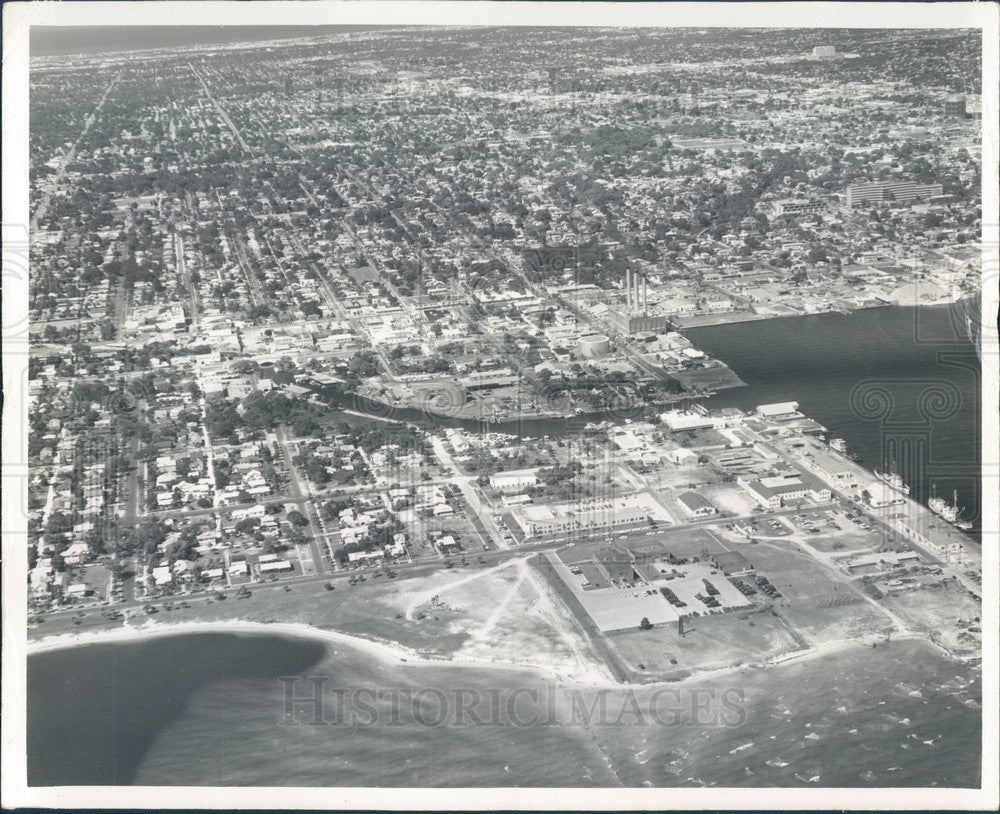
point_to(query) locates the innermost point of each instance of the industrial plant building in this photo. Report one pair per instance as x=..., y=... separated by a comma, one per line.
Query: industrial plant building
x=634, y=317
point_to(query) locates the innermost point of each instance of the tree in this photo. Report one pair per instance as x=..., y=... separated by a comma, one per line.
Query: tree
x=645, y=624
x=305, y=425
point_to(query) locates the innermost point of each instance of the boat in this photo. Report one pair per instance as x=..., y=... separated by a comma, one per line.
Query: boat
x=950, y=512
x=838, y=444
x=893, y=480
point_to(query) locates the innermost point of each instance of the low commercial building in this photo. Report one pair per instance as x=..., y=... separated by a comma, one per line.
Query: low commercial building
x=542, y=520
x=515, y=480
x=731, y=562
x=870, y=563
x=682, y=456
x=276, y=566
x=694, y=505
x=616, y=563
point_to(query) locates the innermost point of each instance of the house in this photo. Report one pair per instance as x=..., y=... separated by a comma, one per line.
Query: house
x=365, y=556
x=75, y=553
x=447, y=544
x=162, y=575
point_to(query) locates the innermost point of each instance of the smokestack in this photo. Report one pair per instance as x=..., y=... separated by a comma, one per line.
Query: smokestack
x=645, y=301
x=628, y=289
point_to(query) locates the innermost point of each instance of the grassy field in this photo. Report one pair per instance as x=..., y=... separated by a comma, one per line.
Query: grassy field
x=936, y=611
x=709, y=642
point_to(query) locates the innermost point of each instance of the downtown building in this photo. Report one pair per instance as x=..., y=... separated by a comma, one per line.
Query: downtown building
x=879, y=192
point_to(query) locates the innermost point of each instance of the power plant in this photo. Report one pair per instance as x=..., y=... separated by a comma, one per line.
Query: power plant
x=634, y=317
x=635, y=292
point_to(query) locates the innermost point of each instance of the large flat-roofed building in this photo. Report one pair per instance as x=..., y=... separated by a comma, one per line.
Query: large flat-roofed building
x=542, y=520
x=879, y=192
x=780, y=409
x=831, y=468
x=774, y=491
x=678, y=420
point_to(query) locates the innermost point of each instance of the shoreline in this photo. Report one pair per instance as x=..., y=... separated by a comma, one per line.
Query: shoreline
x=400, y=655
x=384, y=651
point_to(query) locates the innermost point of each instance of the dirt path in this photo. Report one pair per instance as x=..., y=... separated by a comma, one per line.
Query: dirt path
x=424, y=597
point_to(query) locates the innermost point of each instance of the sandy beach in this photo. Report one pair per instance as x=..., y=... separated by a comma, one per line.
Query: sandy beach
x=396, y=654
x=384, y=651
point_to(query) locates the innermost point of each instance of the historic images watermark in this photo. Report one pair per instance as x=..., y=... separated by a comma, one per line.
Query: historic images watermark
x=315, y=701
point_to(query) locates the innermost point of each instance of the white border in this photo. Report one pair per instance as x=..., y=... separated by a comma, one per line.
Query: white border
x=17, y=16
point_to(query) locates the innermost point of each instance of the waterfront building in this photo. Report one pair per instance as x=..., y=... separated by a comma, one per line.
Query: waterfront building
x=880, y=495
x=779, y=409
x=636, y=323
x=677, y=420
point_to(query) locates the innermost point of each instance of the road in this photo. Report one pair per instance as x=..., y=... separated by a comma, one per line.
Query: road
x=43, y=205
x=185, y=276
x=301, y=496
x=483, y=560
x=464, y=484
x=219, y=109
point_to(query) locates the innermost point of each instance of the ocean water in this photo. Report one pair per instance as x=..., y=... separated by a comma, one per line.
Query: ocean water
x=900, y=385
x=212, y=709
x=46, y=41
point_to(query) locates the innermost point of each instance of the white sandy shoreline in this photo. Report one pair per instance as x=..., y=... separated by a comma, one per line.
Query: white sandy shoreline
x=400, y=655
x=386, y=652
